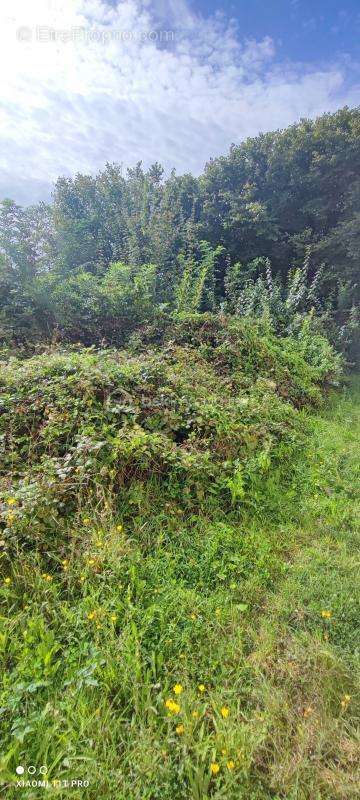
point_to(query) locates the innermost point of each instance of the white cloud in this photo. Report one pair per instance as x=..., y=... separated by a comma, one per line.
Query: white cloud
x=123, y=90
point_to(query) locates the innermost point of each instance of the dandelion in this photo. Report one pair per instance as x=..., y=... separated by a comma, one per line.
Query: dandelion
x=201, y=688
x=179, y=729
x=326, y=614
x=345, y=701
x=224, y=711
x=172, y=706
x=91, y=615
x=7, y=581
x=177, y=689
x=214, y=768
x=230, y=764
x=11, y=501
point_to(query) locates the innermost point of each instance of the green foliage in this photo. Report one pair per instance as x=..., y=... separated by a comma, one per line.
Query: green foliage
x=154, y=505
x=109, y=307
x=196, y=289
x=239, y=237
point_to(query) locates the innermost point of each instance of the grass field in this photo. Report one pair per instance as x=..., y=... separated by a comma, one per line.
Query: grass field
x=164, y=652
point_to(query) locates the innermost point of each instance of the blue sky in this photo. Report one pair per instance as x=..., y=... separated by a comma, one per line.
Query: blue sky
x=83, y=82
x=303, y=30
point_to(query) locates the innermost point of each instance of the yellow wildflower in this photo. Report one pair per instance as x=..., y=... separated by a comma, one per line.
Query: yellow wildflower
x=214, y=768
x=172, y=706
x=201, y=688
x=113, y=617
x=7, y=581
x=179, y=729
x=192, y=616
x=11, y=501
x=64, y=562
x=177, y=689
x=326, y=614
x=90, y=562
x=224, y=711
x=82, y=578
x=86, y=521
x=345, y=701
x=91, y=615
x=99, y=543
x=195, y=714
x=119, y=528
x=98, y=627
x=230, y=764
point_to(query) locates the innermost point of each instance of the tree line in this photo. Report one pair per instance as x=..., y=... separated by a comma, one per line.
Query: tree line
x=272, y=229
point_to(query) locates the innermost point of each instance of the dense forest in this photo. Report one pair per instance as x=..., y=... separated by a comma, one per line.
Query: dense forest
x=179, y=505
x=271, y=229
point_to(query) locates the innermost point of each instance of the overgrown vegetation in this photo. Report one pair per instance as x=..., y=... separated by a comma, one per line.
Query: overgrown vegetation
x=178, y=511
x=273, y=228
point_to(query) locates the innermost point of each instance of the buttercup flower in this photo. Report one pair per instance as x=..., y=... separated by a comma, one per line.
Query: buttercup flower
x=326, y=614
x=172, y=706
x=214, y=768
x=91, y=615
x=119, y=528
x=224, y=711
x=113, y=617
x=11, y=501
x=230, y=764
x=7, y=581
x=201, y=688
x=179, y=729
x=86, y=521
x=177, y=689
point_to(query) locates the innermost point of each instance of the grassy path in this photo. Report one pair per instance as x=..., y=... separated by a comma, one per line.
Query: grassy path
x=181, y=658
x=306, y=654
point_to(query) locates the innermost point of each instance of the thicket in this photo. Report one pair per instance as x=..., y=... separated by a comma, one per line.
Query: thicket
x=271, y=230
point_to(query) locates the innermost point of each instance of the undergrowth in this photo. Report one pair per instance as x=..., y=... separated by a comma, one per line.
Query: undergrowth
x=169, y=547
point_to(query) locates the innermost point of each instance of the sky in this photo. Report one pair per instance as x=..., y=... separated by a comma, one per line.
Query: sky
x=85, y=82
